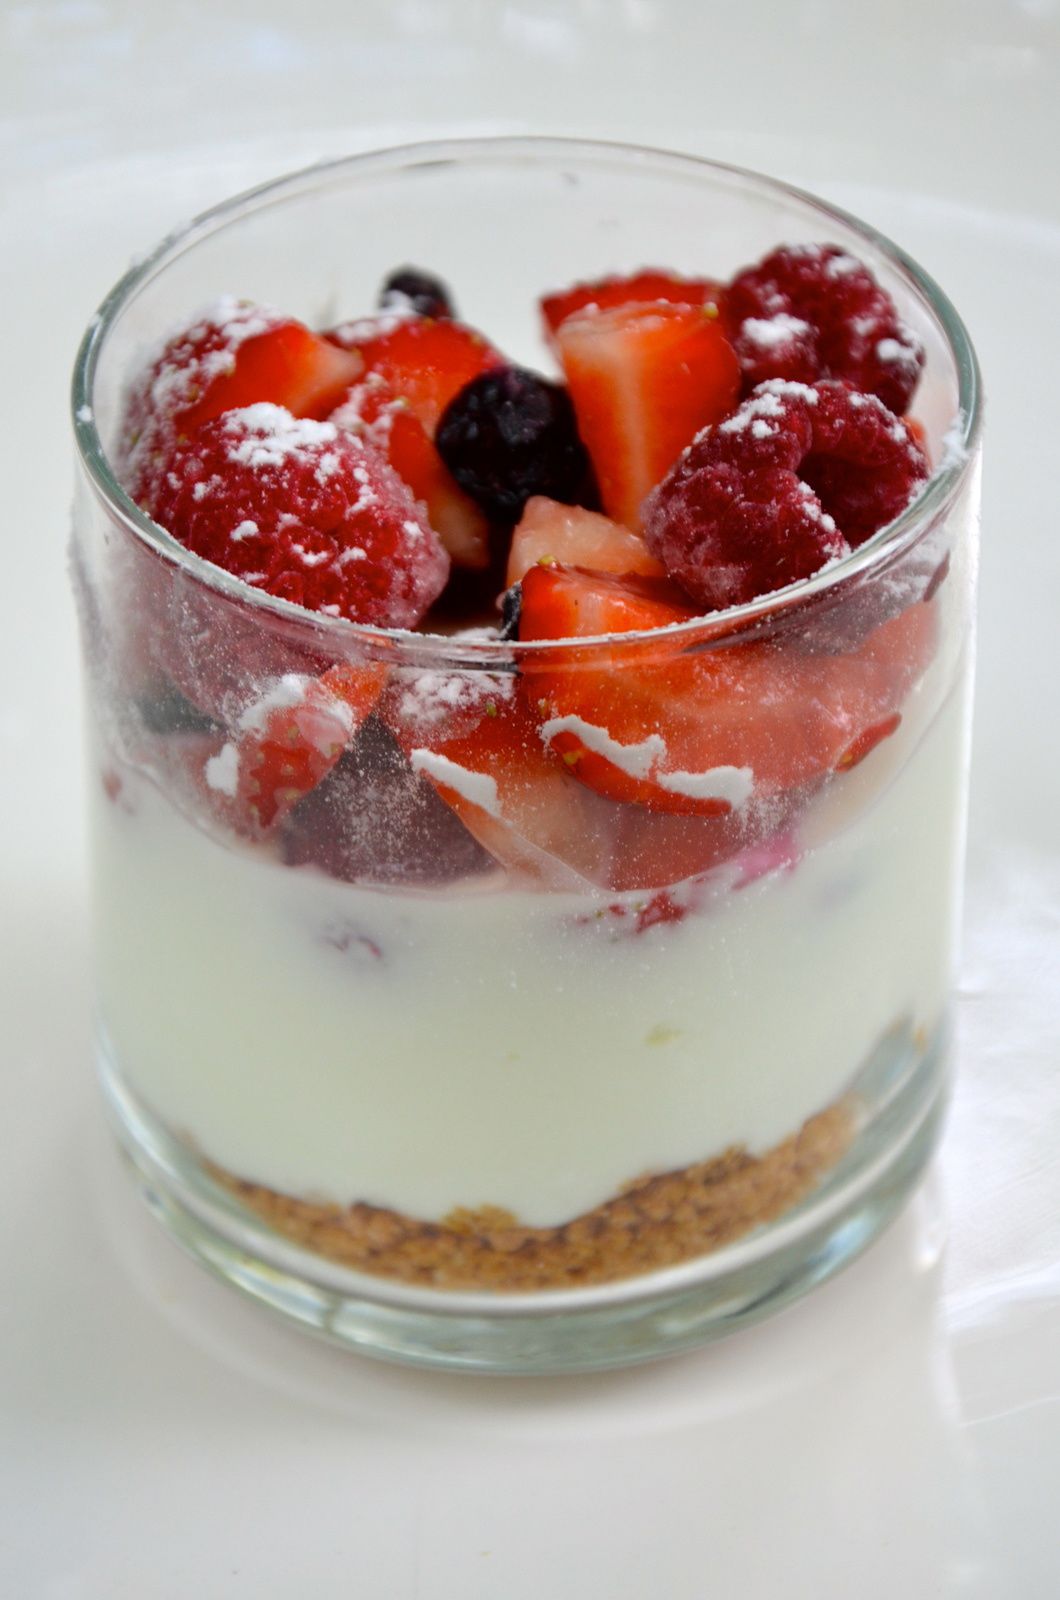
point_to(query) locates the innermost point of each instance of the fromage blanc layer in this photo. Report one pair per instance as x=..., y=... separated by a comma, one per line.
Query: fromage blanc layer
x=487, y=1047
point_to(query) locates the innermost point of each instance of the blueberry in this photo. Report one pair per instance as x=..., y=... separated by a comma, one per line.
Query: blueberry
x=408, y=286
x=510, y=434
x=511, y=603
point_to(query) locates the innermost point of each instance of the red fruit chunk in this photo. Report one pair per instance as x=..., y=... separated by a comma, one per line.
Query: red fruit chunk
x=550, y=532
x=426, y=361
x=797, y=476
x=291, y=738
x=237, y=353
x=304, y=511
x=638, y=288
x=644, y=380
x=373, y=411
x=812, y=311
x=702, y=732
x=413, y=367
x=478, y=742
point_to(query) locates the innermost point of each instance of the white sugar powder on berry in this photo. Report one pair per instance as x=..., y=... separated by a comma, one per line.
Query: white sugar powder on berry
x=286, y=692
x=732, y=784
x=432, y=697
x=222, y=771
x=768, y=332
x=896, y=353
x=637, y=760
x=476, y=787
x=266, y=435
x=842, y=266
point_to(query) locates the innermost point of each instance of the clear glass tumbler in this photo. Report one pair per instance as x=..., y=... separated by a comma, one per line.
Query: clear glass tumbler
x=472, y=1071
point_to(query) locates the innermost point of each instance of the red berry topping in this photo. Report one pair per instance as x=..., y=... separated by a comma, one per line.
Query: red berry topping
x=644, y=380
x=290, y=738
x=812, y=311
x=424, y=360
x=705, y=731
x=304, y=511
x=550, y=532
x=235, y=354
x=477, y=740
x=642, y=288
x=413, y=367
x=795, y=477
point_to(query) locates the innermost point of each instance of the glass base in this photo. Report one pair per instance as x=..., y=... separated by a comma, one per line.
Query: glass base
x=565, y=1330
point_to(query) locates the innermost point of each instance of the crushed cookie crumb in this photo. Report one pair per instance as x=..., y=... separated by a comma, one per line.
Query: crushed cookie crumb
x=657, y=1221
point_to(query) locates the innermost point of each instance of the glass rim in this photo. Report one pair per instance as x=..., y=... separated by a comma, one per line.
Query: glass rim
x=933, y=499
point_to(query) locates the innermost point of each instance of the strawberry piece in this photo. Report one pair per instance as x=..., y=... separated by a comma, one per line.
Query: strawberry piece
x=304, y=511
x=478, y=742
x=705, y=731
x=425, y=361
x=644, y=380
x=290, y=738
x=375, y=412
x=235, y=354
x=413, y=367
x=644, y=288
x=550, y=532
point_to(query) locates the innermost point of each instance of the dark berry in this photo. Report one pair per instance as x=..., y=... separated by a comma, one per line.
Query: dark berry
x=373, y=820
x=510, y=434
x=511, y=606
x=797, y=476
x=168, y=711
x=418, y=291
x=813, y=311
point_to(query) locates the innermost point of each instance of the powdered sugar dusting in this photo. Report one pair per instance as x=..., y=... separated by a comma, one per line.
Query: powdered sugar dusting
x=222, y=770
x=476, y=787
x=288, y=691
x=431, y=699
x=636, y=759
x=734, y=785
x=768, y=333
x=266, y=435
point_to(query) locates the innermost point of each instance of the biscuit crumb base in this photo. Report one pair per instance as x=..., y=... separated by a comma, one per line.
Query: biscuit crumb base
x=656, y=1221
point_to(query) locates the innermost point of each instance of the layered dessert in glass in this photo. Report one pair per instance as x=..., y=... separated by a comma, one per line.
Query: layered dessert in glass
x=529, y=708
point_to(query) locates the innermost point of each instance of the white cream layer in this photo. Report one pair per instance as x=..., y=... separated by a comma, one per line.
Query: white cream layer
x=492, y=1047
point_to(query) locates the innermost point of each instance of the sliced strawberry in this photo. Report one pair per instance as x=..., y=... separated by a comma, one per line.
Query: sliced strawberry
x=701, y=732
x=424, y=361
x=413, y=367
x=478, y=742
x=644, y=380
x=643, y=288
x=373, y=410
x=290, y=739
x=236, y=354
x=288, y=365
x=550, y=532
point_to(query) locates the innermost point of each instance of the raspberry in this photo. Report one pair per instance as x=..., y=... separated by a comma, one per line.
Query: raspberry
x=234, y=354
x=812, y=311
x=795, y=477
x=305, y=511
x=508, y=435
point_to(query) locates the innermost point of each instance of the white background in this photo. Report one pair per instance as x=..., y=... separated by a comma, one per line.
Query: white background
x=898, y=1433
